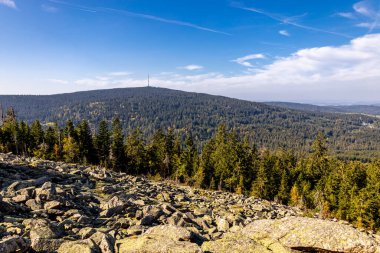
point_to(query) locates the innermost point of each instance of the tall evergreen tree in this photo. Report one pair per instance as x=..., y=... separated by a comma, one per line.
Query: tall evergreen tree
x=37, y=134
x=102, y=143
x=117, y=146
x=136, y=155
x=157, y=154
x=85, y=143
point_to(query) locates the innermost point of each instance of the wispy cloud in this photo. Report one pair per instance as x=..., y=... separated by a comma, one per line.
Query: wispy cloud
x=364, y=8
x=244, y=61
x=191, y=67
x=140, y=15
x=348, y=15
x=9, y=3
x=58, y=81
x=291, y=21
x=371, y=10
x=49, y=8
x=284, y=33
x=367, y=12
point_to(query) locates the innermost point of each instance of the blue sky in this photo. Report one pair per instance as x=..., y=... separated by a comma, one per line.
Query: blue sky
x=302, y=51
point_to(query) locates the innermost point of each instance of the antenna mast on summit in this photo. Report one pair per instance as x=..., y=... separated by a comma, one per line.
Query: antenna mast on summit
x=148, y=80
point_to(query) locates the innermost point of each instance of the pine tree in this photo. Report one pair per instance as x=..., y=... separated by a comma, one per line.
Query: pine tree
x=117, y=146
x=69, y=130
x=23, y=138
x=102, y=143
x=86, y=144
x=51, y=139
x=136, y=156
x=70, y=150
x=206, y=165
x=157, y=154
x=189, y=161
x=37, y=134
x=260, y=186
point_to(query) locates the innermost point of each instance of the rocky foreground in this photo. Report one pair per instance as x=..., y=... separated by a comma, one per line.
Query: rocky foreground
x=57, y=207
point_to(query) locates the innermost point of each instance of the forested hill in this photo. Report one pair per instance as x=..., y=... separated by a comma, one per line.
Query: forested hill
x=152, y=108
x=363, y=109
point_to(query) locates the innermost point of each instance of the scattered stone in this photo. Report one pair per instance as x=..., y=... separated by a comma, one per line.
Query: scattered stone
x=222, y=224
x=50, y=206
x=14, y=244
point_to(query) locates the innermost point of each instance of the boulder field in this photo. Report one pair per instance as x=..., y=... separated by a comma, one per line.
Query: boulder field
x=50, y=206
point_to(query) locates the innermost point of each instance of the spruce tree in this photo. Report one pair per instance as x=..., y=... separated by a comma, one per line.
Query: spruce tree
x=37, y=134
x=136, y=156
x=102, y=143
x=85, y=143
x=117, y=146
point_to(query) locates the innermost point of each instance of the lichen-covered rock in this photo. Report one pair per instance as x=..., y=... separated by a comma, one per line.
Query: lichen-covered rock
x=155, y=244
x=237, y=243
x=104, y=241
x=82, y=246
x=172, y=232
x=46, y=245
x=43, y=229
x=164, y=238
x=14, y=244
x=312, y=235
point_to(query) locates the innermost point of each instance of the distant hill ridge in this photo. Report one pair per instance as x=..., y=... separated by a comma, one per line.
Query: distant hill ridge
x=363, y=109
x=150, y=108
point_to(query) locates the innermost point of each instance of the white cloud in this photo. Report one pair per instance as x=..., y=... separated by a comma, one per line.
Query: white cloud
x=284, y=33
x=191, y=67
x=347, y=73
x=120, y=73
x=58, y=81
x=244, y=61
x=9, y=3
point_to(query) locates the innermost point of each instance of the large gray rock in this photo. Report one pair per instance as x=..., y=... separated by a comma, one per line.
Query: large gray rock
x=155, y=244
x=238, y=243
x=312, y=235
x=173, y=232
x=104, y=241
x=46, y=192
x=82, y=246
x=14, y=244
x=43, y=229
x=44, y=235
x=159, y=239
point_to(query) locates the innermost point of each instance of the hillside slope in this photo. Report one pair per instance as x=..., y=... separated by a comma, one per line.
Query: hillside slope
x=151, y=108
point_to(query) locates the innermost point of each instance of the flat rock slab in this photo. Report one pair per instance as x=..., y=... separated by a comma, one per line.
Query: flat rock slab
x=312, y=235
x=155, y=244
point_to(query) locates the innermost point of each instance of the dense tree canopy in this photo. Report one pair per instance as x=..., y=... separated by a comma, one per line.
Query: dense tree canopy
x=351, y=136
x=228, y=161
